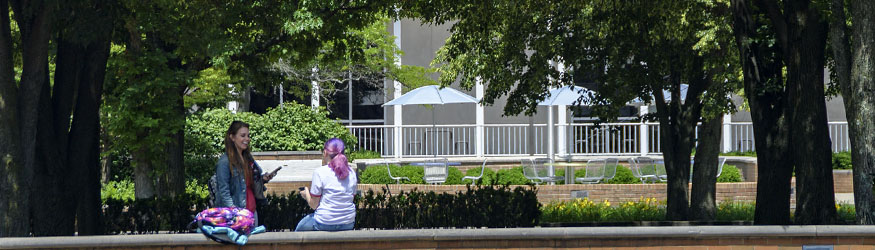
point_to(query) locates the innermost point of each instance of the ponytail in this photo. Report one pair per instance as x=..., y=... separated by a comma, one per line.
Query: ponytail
x=340, y=166
x=334, y=147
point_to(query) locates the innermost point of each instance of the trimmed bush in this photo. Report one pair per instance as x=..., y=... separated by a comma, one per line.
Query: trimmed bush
x=481, y=206
x=842, y=160
x=730, y=173
x=513, y=176
x=489, y=177
x=623, y=176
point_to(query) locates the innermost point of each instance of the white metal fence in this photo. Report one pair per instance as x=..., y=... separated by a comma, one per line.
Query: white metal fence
x=525, y=139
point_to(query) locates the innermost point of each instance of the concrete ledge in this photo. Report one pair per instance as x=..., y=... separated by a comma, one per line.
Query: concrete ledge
x=287, y=155
x=437, y=237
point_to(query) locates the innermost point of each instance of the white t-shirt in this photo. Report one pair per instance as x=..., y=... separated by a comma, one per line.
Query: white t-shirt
x=336, y=206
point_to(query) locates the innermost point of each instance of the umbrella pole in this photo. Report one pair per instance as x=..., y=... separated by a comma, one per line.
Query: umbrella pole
x=433, y=132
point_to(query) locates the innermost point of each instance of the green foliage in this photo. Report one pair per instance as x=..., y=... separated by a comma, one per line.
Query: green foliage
x=481, y=206
x=377, y=174
x=847, y=212
x=730, y=173
x=513, y=176
x=363, y=154
x=293, y=128
x=454, y=176
x=733, y=211
x=842, y=160
x=623, y=176
x=124, y=190
x=584, y=210
x=117, y=190
x=489, y=177
x=740, y=153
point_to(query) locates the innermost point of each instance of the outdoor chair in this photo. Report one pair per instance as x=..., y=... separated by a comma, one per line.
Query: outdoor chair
x=720, y=162
x=595, y=171
x=397, y=179
x=643, y=169
x=611, y=168
x=435, y=171
x=536, y=170
x=475, y=178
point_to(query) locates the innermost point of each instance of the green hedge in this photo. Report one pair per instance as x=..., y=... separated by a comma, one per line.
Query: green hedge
x=483, y=206
x=295, y=127
x=378, y=175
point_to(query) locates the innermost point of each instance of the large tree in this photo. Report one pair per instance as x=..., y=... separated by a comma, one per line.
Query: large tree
x=796, y=110
x=855, y=68
x=766, y=93
x=57, y=118
x=177, y=41
x=629, y=49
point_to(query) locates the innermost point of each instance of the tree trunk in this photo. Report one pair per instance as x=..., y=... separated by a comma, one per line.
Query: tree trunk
x=50, y=210
x=766, y=94
x=34, y=19
x=809, y=140
x=855, y=73
x=85, y=131
x=703, y=197
x=14, y=201
x=144, y=187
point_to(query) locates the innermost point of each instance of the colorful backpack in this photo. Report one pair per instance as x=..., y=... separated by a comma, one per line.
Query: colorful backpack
x=227, y=224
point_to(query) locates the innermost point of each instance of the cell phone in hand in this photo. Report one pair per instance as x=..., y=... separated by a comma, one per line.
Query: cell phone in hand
x=273, y=173
x=301, y=189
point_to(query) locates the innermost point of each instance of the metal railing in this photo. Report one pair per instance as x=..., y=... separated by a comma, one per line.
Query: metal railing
x=526, y=139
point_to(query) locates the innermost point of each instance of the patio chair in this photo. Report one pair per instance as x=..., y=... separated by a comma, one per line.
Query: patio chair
x=643, y=169
x=611, y=168
x=435, y=171
x=536, y=170
x=720, y=162
x=595, y=171
x=397, y=179
x=475, y=178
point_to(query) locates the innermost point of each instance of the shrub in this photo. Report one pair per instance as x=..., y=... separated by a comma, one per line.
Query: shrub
x=363, y=154
x=842, y=160
x=585, y=210
x=731, y=210
x=730, y=173
x=623, y=176
x=513, y=176
x=740, y=153
x=295, y=127
x=377, y=174
x=481, y=206
x=489, y=177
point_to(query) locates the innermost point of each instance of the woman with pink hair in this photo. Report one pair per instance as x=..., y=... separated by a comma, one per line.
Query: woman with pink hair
x=331, y=192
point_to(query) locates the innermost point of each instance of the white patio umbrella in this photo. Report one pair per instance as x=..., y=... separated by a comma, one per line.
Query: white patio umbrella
x=432, y=95
x=564, y=96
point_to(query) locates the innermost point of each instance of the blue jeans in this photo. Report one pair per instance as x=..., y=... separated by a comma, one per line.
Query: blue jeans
x=308, y=223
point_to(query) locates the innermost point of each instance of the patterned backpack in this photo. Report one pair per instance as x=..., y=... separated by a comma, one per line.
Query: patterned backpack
x=227, y=224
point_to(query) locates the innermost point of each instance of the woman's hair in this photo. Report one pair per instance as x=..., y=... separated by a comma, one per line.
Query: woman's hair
x=236, y=160
x=334, y=147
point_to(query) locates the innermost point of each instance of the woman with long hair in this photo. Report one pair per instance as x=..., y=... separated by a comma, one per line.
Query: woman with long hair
x=331, y=192
x=239, y=180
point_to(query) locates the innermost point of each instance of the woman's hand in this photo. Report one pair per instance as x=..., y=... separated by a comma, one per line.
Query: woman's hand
x=305, y=194
x=268, y=177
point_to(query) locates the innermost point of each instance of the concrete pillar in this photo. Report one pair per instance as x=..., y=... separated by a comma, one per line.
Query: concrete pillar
x=396, y=31
x=478, y=131
x=644, y=142
x=727, y=133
